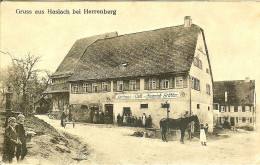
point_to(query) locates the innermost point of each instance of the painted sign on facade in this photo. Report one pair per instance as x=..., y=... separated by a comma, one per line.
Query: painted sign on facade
x=140, y=96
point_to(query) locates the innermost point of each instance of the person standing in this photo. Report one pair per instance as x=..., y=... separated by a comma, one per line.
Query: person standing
x=124, y=119
x=118, y=119
x=10, y=140
x=21, y=150
x=203, y=138
x=206, y=129
x=143, y=119
x=62, y=118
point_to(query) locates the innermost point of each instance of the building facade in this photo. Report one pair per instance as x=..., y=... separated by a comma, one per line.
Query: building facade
x=235, y=101
x=136, y=73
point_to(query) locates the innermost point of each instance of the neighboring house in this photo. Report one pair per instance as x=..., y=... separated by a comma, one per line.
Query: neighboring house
x=60, y=89
x=42, y=105
x=135, y=73
x=235, y=101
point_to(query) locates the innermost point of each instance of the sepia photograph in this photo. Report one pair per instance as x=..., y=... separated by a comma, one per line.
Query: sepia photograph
x=129, y=82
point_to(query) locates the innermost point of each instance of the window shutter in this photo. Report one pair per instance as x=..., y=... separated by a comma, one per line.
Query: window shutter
x=99, y=86
x=185, y=82
x=138, y=84
x=108, y=86
x=173, y=82
x=126, y=85
x=115, y=85
x=146, y=84
x=157, y=84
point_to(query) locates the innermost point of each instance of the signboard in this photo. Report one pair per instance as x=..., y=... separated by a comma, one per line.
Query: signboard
x=146, y=96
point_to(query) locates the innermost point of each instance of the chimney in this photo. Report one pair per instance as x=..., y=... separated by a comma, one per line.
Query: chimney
x=187, y=21
x=247, y=79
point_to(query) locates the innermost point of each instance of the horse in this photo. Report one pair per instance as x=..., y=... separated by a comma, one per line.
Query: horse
x=176, y=124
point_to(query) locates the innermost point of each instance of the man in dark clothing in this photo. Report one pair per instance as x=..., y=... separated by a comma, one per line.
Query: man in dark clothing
x=21, y=149
x=118, y=119
x=62, y=118
x=148, y=123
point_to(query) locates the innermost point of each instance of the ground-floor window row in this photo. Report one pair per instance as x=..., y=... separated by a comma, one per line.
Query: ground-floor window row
x=134, y=85
x=237, y=119
x=234, y=108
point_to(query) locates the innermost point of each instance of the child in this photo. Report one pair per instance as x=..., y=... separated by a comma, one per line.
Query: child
x=21, y=149
x=202, y=135
x=10, y=140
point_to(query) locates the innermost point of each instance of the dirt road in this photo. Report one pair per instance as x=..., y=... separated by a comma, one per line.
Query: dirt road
x=114, y=145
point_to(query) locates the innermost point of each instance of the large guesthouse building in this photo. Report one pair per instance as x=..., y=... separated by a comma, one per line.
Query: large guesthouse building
x=136, y=73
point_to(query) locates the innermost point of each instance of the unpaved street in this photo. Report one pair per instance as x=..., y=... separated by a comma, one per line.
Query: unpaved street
x=114, y=145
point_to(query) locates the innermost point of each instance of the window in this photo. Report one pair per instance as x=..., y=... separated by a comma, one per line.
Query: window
x=195, y=83
x=231, y=108
x=85, y=88
x=197, y=62
x=207, y=70
x=243, y=109
x=144, y=105
x=239, y=108
x=104, y=86
x=75, y=88
x=240, y=119
x=243, y=119
x=248, y=119
x=247, y=108
x=132, y=85
x=119, y=85
x=227, y=109
x=152, y=84
x=198, y=106
x=251, y=120
x=208, y=108
x=165, y=84
x=94, y=87
x=208, y=89
x=215, y=106
x=179, y=82
x=222, y=108
x=236, y=109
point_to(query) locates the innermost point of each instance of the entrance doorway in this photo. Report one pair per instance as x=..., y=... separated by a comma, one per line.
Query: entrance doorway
x=109, y=114
x=127, y=111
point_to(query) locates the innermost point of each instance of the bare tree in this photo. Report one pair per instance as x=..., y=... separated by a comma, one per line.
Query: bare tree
x=22, y=78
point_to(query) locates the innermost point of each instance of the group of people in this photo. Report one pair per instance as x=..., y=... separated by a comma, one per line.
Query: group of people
x=98, y=117
x=133, y=121
x=15, y=139
x=203, y=132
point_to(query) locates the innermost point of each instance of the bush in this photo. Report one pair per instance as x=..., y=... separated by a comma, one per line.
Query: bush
x=247, y=128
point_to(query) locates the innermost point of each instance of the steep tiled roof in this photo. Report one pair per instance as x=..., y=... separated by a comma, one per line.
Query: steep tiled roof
x=239, y=92
x=67, y=66
x=57, y=88
x=166, y=50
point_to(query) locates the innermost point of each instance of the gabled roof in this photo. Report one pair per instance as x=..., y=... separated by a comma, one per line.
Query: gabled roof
x=67, y=66
x=166, y=50
x=239, y=92
x=57, y=88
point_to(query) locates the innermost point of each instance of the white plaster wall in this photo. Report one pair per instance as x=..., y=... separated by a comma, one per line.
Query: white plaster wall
x=201, y=97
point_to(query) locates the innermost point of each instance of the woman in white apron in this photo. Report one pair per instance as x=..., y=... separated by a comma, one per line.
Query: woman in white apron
x=203, y=139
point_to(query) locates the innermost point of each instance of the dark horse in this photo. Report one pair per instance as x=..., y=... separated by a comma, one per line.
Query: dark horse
x=177, y=124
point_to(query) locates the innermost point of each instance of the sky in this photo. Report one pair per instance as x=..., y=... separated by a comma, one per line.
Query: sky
x=232, y=30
